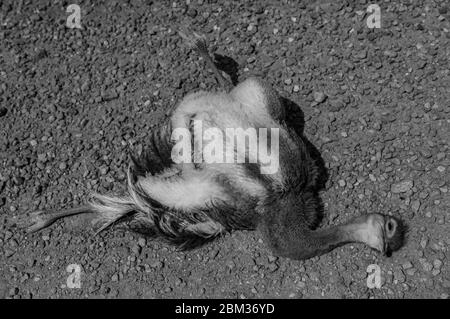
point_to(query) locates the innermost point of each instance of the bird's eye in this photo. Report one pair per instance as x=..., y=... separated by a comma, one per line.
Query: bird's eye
x=390, y=227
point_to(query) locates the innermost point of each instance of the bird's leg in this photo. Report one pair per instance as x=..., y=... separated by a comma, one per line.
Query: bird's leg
x=198, y=43
x=38, y=220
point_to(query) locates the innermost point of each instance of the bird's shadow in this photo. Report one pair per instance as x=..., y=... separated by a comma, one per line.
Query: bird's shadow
x=295, y=119
x=227, y=65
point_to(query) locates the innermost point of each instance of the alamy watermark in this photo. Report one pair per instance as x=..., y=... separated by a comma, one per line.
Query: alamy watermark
x=232, y=145
x=374, y=19
x=74, y=19
x=74, y=279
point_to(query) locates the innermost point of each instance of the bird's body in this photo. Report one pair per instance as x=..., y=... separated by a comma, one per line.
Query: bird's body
x=198, y=201
x=191, y=202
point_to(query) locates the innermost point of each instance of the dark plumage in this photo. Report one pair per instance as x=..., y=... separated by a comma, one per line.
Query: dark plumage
x=189, y=204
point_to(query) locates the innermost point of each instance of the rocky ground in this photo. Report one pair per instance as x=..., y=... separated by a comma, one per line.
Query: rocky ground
x=75, y=102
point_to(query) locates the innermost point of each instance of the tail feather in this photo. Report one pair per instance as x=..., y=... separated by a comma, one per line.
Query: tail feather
x=185, y=229
x=110, y=210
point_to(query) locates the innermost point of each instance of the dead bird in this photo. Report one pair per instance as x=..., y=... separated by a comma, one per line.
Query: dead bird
x=190, y=203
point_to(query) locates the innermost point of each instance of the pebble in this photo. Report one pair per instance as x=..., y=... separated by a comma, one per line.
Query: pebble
x=142, y=242
x=402, y=187
x=319, y=97
x=273, y=267
x=415, y=205
x=136, y=249
x=437, y=263
x=407, y=265
x=399, y=276
x=441, y=169
x=411, y=272
x=423, y=243
x=426, y=265
x=191, y=12
x=435, y=272
x=157, y=264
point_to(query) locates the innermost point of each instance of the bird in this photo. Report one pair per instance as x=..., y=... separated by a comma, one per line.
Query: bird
x=176, y=195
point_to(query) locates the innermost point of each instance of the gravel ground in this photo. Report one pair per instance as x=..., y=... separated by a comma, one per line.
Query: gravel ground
x=75, y=102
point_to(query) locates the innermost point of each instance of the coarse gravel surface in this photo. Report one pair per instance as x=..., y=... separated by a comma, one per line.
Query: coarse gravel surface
x=75, y=102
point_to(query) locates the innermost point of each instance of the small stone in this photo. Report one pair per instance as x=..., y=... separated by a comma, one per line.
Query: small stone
x=399, y=276
x=142, y=242
x=342, y=183
x=407, y=265
x=423, y=243
x=440, y=156
x=62, y=166
x=41, y=157
x=136, y=249
x=157, y=265
x=437, y=263
x=273, y=267
x=213, y=253
x=411, y=272
x=415, y=205
x=301, y=285
x=402, y=187
x=426, y=265
x=18, y=180
x=319, y=97
x=115, y=278
x=441, y=169
x=192, y=12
